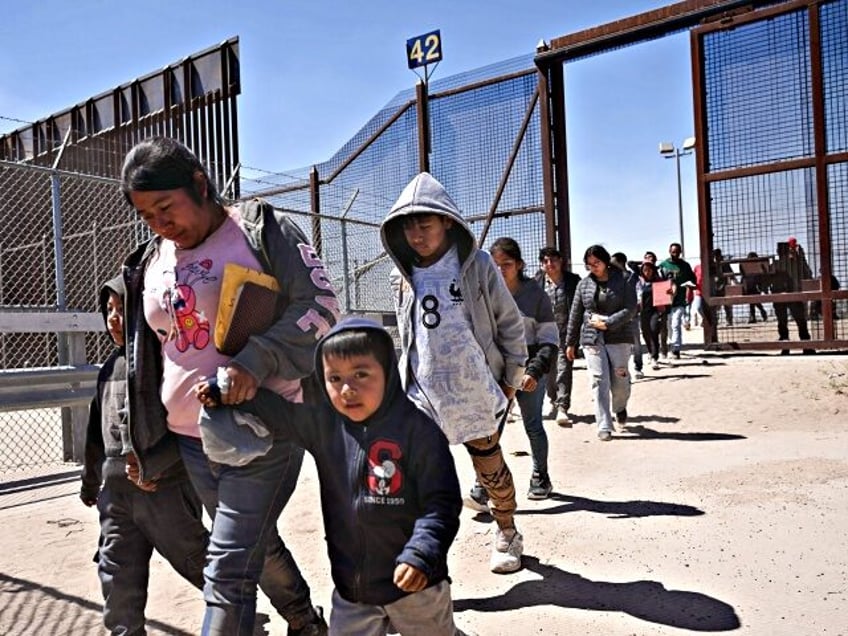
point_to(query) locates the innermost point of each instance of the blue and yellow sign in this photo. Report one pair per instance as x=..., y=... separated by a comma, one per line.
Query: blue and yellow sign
x=424, y=49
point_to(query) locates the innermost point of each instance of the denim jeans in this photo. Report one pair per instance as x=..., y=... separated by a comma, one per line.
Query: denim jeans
x=132, y=524
x=530, y=403
x=425, y=613
x=559, y=381
x=676, y=323
x=245, y=503
x=609, y=375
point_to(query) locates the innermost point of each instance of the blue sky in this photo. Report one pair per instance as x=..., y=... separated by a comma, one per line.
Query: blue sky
x=313, y=73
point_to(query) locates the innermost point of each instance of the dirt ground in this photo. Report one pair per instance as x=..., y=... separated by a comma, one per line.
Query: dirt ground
x=722, y=507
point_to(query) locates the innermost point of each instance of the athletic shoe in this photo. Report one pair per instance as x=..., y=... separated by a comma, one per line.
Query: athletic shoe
x=638, y=375
x=316, y=627
x=477, y=499
x=655, y=365
x=604, y=435
x=562, y=418
x=507, y=551
x=552, y=413
x=540, y=487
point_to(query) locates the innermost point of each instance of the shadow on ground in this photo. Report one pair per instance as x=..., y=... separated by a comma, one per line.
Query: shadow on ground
x=27, y=607
x=643, y=432
x=646, y=600
x=614, y=509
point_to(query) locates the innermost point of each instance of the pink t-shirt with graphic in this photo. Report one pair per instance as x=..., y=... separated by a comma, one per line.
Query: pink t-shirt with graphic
x=181, y=293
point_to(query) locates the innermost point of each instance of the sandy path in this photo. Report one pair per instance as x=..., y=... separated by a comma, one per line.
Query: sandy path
x=722, y=507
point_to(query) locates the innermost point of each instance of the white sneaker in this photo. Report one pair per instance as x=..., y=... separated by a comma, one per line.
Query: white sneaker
x=507, y=551
x=639, y=375
x=562, y=418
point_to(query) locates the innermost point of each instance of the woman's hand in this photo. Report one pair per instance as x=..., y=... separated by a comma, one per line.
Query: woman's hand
x=571, y=353
x=529, y=383
x=242, y=386
x=597, y=323
x=409, y=579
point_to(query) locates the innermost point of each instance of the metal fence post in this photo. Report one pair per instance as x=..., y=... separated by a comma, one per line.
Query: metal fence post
x=71, y=347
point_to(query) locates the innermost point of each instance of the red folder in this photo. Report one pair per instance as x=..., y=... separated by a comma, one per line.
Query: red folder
x=660, y=293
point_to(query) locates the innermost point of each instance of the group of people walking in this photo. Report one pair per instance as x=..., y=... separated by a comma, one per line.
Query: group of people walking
x=183, y=420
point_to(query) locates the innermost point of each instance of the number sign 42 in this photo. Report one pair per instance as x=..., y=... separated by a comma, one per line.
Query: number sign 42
x=424, y=49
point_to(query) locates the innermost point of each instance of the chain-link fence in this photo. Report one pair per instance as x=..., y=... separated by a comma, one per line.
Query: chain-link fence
x=72, y=230
x=489, y=161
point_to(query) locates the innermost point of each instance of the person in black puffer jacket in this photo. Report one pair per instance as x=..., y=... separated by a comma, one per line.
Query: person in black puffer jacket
x=601, y=315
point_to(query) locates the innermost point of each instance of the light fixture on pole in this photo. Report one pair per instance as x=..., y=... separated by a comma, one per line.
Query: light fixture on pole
x=669, y=151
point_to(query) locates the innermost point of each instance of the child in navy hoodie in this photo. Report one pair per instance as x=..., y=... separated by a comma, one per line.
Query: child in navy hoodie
x=389, y=489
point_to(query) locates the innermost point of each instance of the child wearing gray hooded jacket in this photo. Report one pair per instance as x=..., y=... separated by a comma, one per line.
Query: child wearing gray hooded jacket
x=163, y=512
x=462, y=340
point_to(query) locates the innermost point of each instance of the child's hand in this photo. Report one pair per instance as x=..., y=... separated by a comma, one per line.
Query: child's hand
x=508, y=391
x=134, y=475
x=409, y=579
x=205, y=395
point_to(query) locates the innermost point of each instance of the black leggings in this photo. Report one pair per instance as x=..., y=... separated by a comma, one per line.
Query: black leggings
x=652, y=323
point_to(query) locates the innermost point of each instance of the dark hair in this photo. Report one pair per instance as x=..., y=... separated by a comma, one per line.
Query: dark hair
x=651, y=253
x=619, y=259
x=599, y=252
x=162, y=163
x=549, y=252
x=361, y=342
x=677, y=244
x=650, y=264
x=509, y=246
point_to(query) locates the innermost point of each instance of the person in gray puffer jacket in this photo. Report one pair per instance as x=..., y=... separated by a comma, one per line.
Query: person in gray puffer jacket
x=601, y=314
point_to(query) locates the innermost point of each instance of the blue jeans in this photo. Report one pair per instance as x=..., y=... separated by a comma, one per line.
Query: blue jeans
x=530, y=403
x=677, y=316
x=132, y=524
x=245, y=503
x=609, y=375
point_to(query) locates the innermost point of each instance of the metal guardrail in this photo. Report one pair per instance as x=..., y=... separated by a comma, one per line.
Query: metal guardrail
x=24, y=389
x=28, y=393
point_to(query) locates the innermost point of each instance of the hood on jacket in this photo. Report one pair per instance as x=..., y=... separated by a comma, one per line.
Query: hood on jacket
x=423, y=195
x=393, y=386
x=113, y=286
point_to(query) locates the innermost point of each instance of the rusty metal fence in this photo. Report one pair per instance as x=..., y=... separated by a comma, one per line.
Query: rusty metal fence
x=772, y=110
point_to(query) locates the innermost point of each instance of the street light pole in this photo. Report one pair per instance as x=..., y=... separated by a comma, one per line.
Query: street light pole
x=677, y=154
x=669, y=151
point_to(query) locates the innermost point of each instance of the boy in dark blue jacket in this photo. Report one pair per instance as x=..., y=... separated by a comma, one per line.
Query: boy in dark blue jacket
x=135, y=516
x=389, y=491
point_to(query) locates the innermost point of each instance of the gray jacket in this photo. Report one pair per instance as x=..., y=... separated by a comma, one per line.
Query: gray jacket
x=496, y=321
